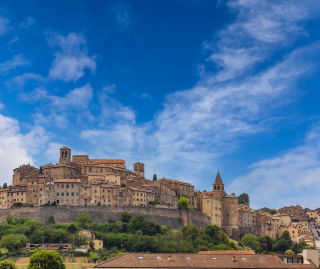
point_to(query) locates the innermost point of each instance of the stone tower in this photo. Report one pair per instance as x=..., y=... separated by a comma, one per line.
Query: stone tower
x=65, y=155
x=218, y=188
x=138, y=169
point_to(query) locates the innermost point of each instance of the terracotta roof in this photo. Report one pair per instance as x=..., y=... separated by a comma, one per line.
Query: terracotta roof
x=233, y=252
x=160, y=260
x=67, y=180
x=218, y=179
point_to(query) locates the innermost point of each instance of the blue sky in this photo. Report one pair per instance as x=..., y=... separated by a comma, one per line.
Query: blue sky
x=184, y=86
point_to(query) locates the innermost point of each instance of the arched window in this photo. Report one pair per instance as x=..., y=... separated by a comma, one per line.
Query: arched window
x=62, y=154
x=136, y=168
x=215, y=187
x=218, y=187
x=66, y=154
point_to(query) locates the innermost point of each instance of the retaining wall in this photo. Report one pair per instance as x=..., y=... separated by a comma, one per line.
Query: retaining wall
x=67, y=214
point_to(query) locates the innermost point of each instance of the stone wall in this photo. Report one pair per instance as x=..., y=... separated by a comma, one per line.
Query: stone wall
x=66, y=214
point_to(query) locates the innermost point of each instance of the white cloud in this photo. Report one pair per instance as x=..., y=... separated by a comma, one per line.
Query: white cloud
x=28, y=22
x=290, y=178
x=17, y=61
x=2, y=105
x=70, y=63
x=4, y=27
x=78, y=99
x=17, y=148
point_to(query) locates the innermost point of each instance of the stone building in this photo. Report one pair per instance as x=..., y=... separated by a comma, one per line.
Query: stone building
x=136, y=197
x=212, y=207
x=22, y=173
x=67, y=191
x=169, y=199
x=100, y=193
x=229, y=208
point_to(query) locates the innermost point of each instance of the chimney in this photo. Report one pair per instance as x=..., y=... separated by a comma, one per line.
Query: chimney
x=233, y=258
x=169, y=257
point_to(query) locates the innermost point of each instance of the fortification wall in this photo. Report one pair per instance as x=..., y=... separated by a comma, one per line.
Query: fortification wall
x=66, y=214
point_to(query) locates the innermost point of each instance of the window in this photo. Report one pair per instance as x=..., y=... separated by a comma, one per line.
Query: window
x=208, y=201
x=40, y=189
x=67, y=193
x=71, y=193
x=67, y=186
x=62, y=194
x=62, y=186
x=40, y=194
x=72, y=186
x=57, y=185
x=77, y=194
x=90, y=169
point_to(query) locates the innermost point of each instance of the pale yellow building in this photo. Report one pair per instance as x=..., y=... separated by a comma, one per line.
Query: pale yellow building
x=293, y=231
x=212, y=207
x=98, y=244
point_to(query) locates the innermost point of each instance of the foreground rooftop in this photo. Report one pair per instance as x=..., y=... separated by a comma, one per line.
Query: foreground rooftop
x=182, y=260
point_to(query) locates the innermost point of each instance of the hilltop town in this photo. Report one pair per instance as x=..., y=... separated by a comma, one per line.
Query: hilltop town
x=81, y=181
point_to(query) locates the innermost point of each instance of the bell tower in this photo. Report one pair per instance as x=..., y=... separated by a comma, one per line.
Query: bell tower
x=218, y=187
x=138, y=169
x=65, y=155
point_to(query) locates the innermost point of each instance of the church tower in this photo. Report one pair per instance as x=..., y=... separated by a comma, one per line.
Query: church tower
x=138, y=169
x=218, y=187
x=65, y=155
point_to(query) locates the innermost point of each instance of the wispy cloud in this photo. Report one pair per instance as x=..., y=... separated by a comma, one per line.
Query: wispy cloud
x=13, y=40
x=21, y=80
x=123, y=14
x=17, y=61
x=70, y=63
x=198, y=125
x=289, y=178
x=4, y=26
x=28, y=22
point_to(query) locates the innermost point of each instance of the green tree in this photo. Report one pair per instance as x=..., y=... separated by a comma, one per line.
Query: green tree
x=54, y=203
x=79, y=240
x=272, y=211
x=72, y=228
x=301, y=246
x=154, y=177
x=10, y=220
x=251, y=241
x=281, y=245
x=122, y=185
x=36, y=237
x=289, y=252
x=5, y=186
x=233, y=194
x=126, y=217
x=84, y=220
x=211, y=230
x=46, y=259
x=40, y=171
x=50, y=220
x=13, y=241
x=91, y=245
x=7, y=265
x=183, y=203
x=243, y=198
x=286, y=236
